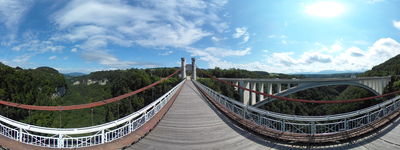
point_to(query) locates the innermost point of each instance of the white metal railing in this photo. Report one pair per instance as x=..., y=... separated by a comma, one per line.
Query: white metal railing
x=306, y=124
x=86, y=136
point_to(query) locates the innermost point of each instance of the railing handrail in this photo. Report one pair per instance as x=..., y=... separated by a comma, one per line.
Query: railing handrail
x=295, y=80
x=83, y=130
x=308, y=118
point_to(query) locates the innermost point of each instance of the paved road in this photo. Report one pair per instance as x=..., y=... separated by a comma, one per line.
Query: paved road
x=192, y=123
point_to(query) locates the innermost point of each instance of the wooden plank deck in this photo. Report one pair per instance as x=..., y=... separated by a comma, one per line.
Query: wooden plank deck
x=192, y=123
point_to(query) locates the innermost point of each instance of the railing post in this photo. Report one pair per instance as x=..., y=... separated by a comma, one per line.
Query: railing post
x=20, y=135
x=283, y=126
x=130, y=126
x=313, y=128
x=103, y=137
x=60, y=143
x=346, y=124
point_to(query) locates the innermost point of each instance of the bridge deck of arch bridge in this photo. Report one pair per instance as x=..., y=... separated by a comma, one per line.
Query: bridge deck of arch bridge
x=275, y=86
x=193, y=123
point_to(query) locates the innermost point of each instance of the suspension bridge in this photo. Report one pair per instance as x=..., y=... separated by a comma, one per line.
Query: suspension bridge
x=194, y=116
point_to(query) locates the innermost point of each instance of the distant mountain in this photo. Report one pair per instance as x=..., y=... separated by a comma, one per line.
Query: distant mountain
x=389, y=67
x=74, y=74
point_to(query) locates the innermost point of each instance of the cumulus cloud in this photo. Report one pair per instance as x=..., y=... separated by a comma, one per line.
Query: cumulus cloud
x=213, y=55
x=96, y=25
x=241, y=32
x=348, y=59
x=74, y=50
x=396, y=24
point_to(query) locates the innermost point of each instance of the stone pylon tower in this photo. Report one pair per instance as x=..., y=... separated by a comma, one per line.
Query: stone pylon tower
x=194, y=69
x=183, y=68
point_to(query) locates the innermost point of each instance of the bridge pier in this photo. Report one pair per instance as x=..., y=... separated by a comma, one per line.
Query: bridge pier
x=236, y=83
x=253, y=95
x=260, y=89
x=270, y=88
x=279, y=87
x=244, y=94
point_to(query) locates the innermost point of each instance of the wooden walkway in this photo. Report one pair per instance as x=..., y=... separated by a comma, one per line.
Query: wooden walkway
x=193, y=123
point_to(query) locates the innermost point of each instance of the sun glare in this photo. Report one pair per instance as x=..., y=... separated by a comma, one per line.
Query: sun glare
x=325, y=9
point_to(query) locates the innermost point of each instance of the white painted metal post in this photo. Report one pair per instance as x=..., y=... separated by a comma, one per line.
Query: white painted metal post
x=20, y=135
x=313, y=128
x=60, y=143
x=103, y=137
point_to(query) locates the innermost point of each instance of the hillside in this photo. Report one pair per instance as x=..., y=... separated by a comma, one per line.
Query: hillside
x=46, y=86
x=389, y=67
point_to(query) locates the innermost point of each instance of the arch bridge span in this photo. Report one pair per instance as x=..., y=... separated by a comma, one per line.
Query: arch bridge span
x=284, y=87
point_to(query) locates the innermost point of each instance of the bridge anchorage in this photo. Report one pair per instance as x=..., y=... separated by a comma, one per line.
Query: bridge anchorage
x=246, y=113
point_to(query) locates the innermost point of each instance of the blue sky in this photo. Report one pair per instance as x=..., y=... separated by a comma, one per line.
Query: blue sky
x=267, y=35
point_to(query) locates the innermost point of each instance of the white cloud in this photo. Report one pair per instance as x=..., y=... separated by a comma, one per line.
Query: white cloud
x=52, y=57
x=396, y=24
x=153, y=24
x=215, y=39
x=107, y=59
x=74, y=50
x=22, y=59
x=11, y=13
x=241, y=32
x=166, y=53
x=226, y=52
x=348, y=59
x=38, y=46
x=96, y=25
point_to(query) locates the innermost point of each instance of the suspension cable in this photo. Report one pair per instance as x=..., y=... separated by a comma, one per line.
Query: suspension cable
x=302, y=100
x=87, y=105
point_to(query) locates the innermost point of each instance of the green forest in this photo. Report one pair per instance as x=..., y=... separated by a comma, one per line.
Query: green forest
x=45, y=86
x=341, y=92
